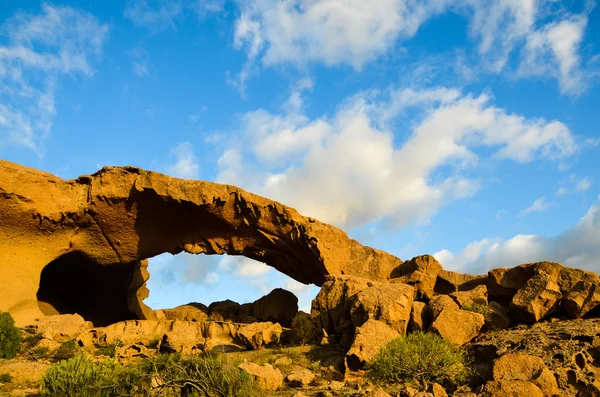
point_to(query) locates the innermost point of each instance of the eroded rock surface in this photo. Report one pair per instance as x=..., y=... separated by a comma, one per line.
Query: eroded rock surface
x=103, y=226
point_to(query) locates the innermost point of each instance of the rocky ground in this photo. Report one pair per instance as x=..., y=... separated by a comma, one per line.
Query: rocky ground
x=532, y=330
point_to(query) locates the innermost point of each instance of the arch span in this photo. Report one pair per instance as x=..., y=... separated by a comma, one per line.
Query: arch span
x=124, y=215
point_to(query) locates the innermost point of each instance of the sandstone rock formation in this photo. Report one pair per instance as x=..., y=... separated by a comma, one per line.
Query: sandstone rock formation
x=80, y=246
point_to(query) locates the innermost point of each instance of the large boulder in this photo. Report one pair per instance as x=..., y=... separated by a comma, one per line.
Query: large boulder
x=539, y=297
x=331, y=307
x=581, y=298
x=257, y=335
x=420, y=317
x=226, y=310
x=448, y=282
x=268, y=378
x=61, y=328
x=528, y=368
x=511, y=388
x=369, y=338
x=79, y=246
x=440, y=302
x=420, y=272
x=473, y=297
x=192, y=311
x=388, y=302
x=279, y=306
x=457, y=326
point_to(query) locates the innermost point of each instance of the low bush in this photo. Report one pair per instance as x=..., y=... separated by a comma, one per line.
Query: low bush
x=481, y=309
x=205, y=375
x=38, y=353
x=80, y=376
x=163, y=375
x=66, y=351
x=421, y=357
x=303, y=329
x=5, y=378
x=10, y=337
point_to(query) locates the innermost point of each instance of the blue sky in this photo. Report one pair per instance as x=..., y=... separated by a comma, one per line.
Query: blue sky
x=464, y=129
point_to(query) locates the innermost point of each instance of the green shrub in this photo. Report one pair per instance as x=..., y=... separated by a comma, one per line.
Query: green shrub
x=66, y=351
x=164, y=375
x=10, y=337
x=303, y=329
x=109, y=350
x=38, y=353
x=32, y=340
x=80, y=376
x=205, y=375
x=481, y=309
x=422, y=357
x=5, y=378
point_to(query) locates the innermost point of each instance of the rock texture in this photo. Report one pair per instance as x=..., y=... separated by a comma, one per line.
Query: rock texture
x=103, y=226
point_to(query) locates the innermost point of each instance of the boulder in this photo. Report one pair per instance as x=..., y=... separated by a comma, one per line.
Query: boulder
x=61, y=328
x=457, y=326
x=79, y=246
x=440, y=302
x=505, y=282
x=257, y=335
x=499, y=317
x=581, y=298
x=390, y=303
x=420, y=272
x=330, y=308
x=300, y=378
x=511, y=388
x=268, y=378
x=448, y=282
x=193, y=311
x=226, y=310
x=539, y=297
x=527, y=368
x=470, y=298
x=279, y=306
x=420, y=317
x=369, y=338
x=132, y=352
x=184, y=338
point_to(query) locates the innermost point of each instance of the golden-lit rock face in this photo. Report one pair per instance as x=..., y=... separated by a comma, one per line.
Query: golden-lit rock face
x=81, y=245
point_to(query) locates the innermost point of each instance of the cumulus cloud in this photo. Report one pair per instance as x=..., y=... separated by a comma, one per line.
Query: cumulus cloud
x=243, y=267
x=41, y=49
x=335, y=32
x=539, y=205
x=317, y=165
x=186, y=163
x=577, y=247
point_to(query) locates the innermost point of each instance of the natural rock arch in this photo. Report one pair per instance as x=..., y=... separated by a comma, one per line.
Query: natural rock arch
x=120, y=216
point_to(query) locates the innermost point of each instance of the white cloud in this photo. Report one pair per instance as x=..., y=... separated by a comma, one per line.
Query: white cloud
x=316, y=165
x=155, y=15
x=554, y=51
x=539, y=205
x=186, y=163
x=576, y=247
x=575, y=185
x=337, y=32
x=583, y=185
x=141, y=61
x=243, y=267
x=39, y=50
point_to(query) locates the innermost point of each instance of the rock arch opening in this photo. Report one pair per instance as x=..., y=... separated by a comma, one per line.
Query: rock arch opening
x=73, y=283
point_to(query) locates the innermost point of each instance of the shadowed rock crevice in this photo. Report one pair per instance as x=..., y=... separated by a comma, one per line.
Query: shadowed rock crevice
x=75, y=284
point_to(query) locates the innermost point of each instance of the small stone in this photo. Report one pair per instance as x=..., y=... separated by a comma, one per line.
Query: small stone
x=335, y=385
x=511, y=388
x=437, y=390
x=300, y=378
